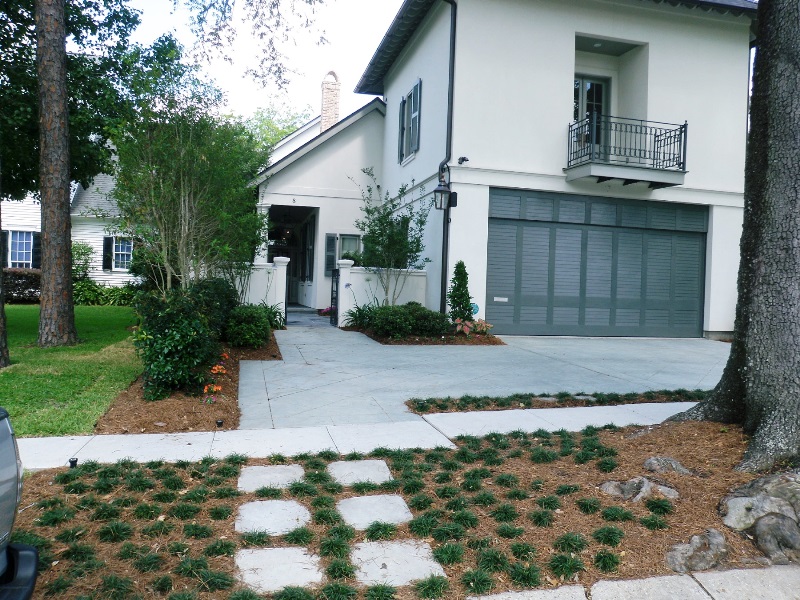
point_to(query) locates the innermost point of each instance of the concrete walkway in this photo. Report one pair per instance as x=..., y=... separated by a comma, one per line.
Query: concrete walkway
x=333, y=377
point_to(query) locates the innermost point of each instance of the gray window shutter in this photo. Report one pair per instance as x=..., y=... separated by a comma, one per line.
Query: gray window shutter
x=401, y=131
x=330, y=253
x=416, y=106
x=36, y=251
x=108, y=253
x=3, y=249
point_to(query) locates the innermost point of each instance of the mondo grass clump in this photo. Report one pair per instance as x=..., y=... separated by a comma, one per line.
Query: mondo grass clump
x=523, y=551
x=432, y=587
x=616, y=513
x=565, y=565
x=301, y=536
x=654, y=522
x=449, y=554
x=380, y=592
x=570, y=542
x=524, y=575
x=606, y=561
x=379, y=530
x=492, y=560
x=588, y=506
x=609, y=535
x=659, y=506
x=477, y=581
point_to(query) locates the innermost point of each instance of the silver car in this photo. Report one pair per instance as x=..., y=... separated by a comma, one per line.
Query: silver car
x=17, y=562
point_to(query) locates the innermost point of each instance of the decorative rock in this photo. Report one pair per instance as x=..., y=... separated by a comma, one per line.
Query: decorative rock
x=393, y=563
x=637, y=489
x=778, y=536
x=277, y=476
x=348, y=472
x=665, y=464
x=276, y=517
x=742, y=513
x=703, y=552
x=585, y=398
x=361, y=511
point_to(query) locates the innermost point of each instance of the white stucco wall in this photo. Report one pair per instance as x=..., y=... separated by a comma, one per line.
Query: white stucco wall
x=327, y=178
x=722, y=267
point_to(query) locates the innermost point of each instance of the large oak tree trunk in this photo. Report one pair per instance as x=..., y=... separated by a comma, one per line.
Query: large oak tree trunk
x=760, y=387
x=5, y=359
x=57, y=316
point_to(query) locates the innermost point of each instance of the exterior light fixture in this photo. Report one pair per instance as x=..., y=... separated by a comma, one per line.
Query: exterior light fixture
x=441, y=195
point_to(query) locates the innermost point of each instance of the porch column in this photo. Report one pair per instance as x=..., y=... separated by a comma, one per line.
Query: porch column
x=262, y=252
x=346, y=299
x=277, y=291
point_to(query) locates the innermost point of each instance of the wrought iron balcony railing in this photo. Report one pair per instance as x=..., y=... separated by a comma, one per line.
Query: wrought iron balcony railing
x=627, y=142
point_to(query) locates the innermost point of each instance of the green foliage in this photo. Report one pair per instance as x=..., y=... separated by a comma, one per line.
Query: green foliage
x=542, y=455
x=542, y=518
x=195, y=530
x=220, y=513
x=507, y=480
x=272, y=123
x=659, y=506
x=607, y=464
x=301, y=536
x=380, y=531
x=301, y=489
x=549, y=502
x=606, y=561
x=398, y=322
x=609, y=535
x=524, y=575
x=55, y=516
x=215, y=298
x=465, y=518
x=494, y=561
x=220, y=548
x=570, y=542
x=588, y=506
x=484, y=499
x=449, y=554
x=183, y=511
x=616, y=513
x=340, y=569
x=448, y=531
x=380, y=592
x=567, y=488
x=654, y=522
x=477, y=581
x=249, y=326
x=337, y=547
x=420, y=502
x=392, y=231
x=116, y=587
x=175, y=344
x=256, y=539
x=523, y=551
x=508, y=531
x=504, y=513
x=116, y=531
x=341, y=531
x=293, y=593
x=432, y=587
x=565, y=565
x=458, y=297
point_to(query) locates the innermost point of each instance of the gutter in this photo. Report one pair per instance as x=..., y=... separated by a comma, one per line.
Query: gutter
x=448, y=154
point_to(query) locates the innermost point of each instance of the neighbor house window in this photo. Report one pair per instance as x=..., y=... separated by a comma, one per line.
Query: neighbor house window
x=20, y=254
x=349, y=244
x=117, y=253
x=408, y=133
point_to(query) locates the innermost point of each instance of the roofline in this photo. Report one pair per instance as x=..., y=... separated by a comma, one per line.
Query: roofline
x=413, y=12
x=354, y=117
x=297, y=131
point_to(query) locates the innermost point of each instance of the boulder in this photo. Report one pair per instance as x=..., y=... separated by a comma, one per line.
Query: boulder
x=778, y=493
x=741, y=513
x=778, y=537
x=637, y=489
x=665, y=464
x=703, y=552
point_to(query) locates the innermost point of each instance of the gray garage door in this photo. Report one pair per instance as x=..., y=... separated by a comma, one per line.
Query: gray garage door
x=579, y=265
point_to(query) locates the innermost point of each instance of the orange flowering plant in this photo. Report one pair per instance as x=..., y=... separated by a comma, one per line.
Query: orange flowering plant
x=212, y=387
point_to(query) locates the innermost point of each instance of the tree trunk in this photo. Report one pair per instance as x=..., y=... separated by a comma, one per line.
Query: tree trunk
x=760, y=387
x=5, y=359
x=57, y=316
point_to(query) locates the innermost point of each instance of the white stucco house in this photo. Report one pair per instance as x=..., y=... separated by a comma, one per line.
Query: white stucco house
x=596, y=148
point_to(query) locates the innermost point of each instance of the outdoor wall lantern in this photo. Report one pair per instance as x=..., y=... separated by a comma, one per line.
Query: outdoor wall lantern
x=443, y=198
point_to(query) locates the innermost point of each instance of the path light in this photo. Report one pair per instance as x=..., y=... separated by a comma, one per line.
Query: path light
x=219, y=422
x=73, y=462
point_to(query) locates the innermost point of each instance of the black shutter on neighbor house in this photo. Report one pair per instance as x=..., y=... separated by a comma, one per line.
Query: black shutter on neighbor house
x=3, y=249
x=330, y=253
x=108, y=253
x=36, y=251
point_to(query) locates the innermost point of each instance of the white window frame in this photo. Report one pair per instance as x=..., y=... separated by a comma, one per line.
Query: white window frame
x=409, y=128
x=14, y=237
x=118, y=254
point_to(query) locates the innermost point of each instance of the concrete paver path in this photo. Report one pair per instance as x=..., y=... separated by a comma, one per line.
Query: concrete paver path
x=333, y=377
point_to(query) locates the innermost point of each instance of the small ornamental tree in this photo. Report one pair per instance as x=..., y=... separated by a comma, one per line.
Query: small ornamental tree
x=458, y=295
x=392, y=233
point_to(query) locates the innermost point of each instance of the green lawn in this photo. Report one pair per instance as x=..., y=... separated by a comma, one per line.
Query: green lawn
x=63, y=391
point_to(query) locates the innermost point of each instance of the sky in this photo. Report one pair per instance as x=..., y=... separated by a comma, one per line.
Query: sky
x=353, y=28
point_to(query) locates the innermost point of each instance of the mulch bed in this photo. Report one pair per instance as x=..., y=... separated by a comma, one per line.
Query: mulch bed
x=709, y=449
x=131, y=413
x=450, y=339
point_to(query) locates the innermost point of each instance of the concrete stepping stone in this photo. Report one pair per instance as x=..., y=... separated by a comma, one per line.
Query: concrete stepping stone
x=393, y=563
x=276, y=517
x=348, y=472
x=360, y=511
x=276, y=476
x=272, y=569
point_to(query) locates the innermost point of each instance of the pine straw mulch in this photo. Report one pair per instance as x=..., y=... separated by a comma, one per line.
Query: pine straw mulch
x=449, y=339
x=425, y=406
x=131, y=413
x=710, y=450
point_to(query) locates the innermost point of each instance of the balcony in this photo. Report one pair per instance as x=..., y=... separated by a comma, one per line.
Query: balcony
x=628, y=150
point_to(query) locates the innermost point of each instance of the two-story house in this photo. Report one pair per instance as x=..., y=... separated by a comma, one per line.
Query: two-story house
x=596, y=148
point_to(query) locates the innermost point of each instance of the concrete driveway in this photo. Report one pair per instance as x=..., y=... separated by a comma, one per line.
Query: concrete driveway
x=331, y=377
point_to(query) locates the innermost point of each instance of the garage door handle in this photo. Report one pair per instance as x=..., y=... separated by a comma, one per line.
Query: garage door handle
x=499, y=299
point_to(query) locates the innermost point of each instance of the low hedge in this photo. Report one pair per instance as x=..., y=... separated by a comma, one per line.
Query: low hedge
x=406, y=320
x=22, y=286
x=249, y=326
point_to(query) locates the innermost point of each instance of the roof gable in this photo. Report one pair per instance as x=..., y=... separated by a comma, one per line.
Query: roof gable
x=413, y=12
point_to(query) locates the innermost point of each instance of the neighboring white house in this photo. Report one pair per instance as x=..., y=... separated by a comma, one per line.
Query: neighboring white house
x=597, y=150
x=20, y=243
x=92, y=212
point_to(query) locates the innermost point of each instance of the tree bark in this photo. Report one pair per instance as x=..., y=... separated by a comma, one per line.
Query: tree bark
x=760, y=387
x=5, y=359
x=57, y=315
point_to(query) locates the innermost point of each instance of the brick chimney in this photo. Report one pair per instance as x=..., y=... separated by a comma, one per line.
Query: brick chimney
x=330, y=101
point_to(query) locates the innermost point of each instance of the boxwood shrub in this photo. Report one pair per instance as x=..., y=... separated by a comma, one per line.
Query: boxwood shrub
x=248, y=326
x=401, y=321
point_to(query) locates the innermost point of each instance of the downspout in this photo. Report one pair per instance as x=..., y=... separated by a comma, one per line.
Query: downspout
x=448, y=154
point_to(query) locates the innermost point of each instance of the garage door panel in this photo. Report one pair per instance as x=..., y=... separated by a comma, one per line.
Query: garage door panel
x=576, y=265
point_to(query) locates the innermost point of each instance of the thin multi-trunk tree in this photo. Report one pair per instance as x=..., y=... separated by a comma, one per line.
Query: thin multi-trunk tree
x=760, y=386
x=57, y=313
